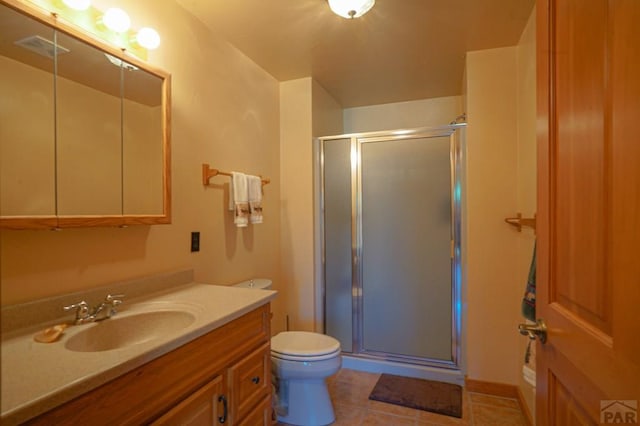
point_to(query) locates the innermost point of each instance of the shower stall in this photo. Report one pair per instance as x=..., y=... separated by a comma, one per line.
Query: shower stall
x=391, y=247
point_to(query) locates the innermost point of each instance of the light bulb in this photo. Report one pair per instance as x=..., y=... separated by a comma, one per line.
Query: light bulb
x=77, y=4
x=351, y=8
x=116, y=20
x=148, y=38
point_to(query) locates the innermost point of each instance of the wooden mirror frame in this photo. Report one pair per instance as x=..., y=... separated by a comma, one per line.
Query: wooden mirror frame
x=73, y=221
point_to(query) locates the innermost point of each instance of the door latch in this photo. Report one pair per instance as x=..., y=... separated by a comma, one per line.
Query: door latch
x=538, y=329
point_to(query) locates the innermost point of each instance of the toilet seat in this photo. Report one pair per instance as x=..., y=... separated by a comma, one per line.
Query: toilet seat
x=310, y=358
x=304, y=346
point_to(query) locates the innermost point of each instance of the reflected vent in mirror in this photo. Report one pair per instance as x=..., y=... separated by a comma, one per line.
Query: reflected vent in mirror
x=120, y=63
x=41, y=46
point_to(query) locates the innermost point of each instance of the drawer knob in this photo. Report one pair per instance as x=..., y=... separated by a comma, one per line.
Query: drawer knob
x=256, y=380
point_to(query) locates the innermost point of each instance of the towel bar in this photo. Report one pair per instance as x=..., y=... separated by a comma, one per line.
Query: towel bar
x=208, y=173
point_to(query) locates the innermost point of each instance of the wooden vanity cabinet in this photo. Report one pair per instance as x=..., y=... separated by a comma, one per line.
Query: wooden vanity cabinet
x=244, y=396
x=224, y=375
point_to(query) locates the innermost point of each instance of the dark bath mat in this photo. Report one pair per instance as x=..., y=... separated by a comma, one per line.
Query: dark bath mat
x=427, y=395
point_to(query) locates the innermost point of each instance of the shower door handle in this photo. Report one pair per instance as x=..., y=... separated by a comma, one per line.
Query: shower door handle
x=539, y=329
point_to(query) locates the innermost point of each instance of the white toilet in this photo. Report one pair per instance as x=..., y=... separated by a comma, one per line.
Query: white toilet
x=301, y=361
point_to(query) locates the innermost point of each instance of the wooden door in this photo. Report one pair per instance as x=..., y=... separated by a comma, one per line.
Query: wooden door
x=589, y=211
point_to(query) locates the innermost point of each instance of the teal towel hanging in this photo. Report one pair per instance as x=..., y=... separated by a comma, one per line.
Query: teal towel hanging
x=529, y=299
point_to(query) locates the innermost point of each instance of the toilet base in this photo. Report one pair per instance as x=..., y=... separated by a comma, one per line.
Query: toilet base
x=309, y=403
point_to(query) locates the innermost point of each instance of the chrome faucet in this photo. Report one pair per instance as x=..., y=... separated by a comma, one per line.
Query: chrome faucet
x=103, y=311
x=82, y=311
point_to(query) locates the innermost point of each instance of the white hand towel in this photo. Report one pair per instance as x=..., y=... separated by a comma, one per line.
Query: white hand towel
x=232, y=201
x=255, y=198
x=240, y=193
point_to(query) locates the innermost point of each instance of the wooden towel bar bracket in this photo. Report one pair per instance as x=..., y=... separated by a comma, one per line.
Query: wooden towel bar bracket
x=208, y=173
x=520, y=221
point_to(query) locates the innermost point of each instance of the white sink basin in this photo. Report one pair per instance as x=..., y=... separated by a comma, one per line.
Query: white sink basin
x=127, y=330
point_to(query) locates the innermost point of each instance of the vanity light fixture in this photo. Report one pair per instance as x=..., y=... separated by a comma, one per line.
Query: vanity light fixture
x=77, y=4
x=116, y=20
x=112, y=25
x=148, y=38
x=351, y=8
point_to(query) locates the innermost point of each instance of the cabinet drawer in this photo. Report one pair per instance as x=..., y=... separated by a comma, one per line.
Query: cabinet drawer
x=250, y=382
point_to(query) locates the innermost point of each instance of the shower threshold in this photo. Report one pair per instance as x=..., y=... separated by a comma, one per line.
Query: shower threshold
x=373, y=365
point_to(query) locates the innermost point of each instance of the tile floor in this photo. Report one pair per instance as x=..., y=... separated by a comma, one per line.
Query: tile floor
x=350, y=391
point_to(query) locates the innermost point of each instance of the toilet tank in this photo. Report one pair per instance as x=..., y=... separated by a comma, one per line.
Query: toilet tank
x=257, y=283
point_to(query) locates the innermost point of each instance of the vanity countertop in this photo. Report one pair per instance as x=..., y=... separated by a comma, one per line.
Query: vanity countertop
x=39, y=376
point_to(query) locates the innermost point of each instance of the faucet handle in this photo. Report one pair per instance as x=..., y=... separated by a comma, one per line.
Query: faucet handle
x=114, y=299
x=81, y=308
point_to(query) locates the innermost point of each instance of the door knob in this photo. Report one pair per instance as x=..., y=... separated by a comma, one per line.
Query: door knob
x=532, y=330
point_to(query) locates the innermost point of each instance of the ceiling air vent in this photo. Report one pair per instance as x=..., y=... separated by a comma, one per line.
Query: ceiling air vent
x=41, y=46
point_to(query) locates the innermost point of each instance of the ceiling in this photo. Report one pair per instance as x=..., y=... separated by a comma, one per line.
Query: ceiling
x=401, y=50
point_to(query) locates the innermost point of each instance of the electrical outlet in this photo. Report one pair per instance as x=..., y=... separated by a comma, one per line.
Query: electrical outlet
x=195, y=241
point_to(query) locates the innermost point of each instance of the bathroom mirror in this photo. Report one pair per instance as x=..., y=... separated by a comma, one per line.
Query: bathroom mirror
x=84, y=128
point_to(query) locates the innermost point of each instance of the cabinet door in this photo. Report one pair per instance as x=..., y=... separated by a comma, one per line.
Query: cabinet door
x=260, y=415
x=202, y=408
x=249, y=382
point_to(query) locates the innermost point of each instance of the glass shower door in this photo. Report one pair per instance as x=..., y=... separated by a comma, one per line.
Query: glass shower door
x=406, y=246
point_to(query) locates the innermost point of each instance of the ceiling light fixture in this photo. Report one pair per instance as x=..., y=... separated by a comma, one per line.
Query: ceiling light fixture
x=116, y=20
x=351, y=8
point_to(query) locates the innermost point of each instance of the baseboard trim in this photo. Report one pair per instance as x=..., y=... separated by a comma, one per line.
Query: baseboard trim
x=524, y=407
x=500, y=389
x=491, y=388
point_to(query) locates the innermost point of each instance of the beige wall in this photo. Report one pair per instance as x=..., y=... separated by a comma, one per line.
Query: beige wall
x=526, y=57
x=296, y=202
x=403, y=115
x=493, y=286
x=306, y=110
x=326, y=112
x=500, y=139
x=225, y=112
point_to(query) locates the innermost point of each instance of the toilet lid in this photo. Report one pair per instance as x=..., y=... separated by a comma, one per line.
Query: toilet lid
x=303, y=344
